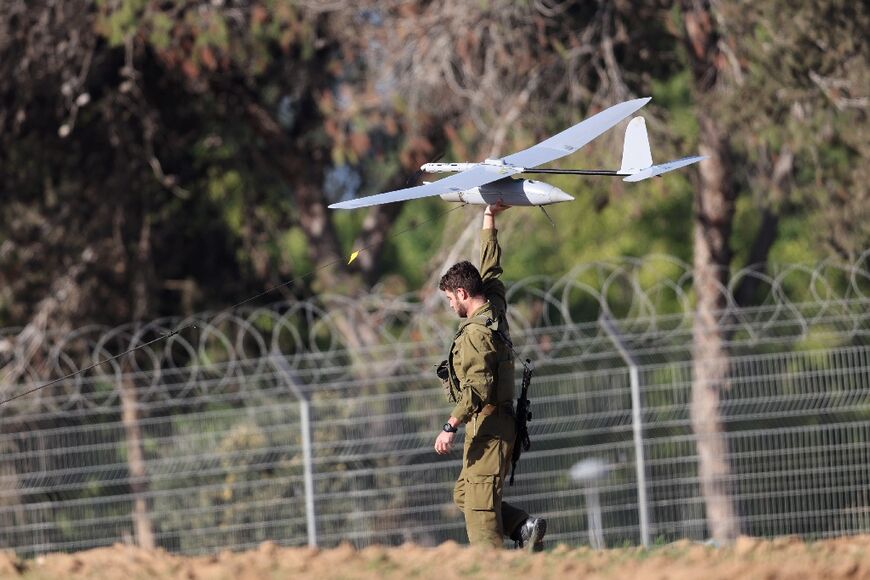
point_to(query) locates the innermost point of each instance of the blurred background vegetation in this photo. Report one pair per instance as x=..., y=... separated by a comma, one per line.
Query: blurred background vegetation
x=159, y=158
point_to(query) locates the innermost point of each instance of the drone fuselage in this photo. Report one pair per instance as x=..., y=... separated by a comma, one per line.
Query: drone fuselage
x=521, y=192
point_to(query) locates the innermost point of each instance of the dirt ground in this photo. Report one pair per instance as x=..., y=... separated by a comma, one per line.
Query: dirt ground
x=749, y=558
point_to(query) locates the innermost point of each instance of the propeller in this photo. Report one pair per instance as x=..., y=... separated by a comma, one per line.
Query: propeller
x=415, y=178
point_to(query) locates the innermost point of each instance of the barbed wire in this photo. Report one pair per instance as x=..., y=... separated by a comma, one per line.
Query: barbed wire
x=327, y=338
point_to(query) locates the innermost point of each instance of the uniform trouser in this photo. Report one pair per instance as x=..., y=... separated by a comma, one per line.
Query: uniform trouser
x=486, y=461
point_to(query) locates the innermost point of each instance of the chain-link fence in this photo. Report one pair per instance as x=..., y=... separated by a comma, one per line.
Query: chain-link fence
x=315, y=422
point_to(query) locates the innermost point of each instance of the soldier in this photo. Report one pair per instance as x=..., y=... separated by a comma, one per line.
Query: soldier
x=479, y=378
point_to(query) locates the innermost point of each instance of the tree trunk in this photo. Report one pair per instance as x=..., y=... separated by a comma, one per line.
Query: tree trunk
x=136, y=464
x=713, y=218
x=714, y=211
x=129, y=401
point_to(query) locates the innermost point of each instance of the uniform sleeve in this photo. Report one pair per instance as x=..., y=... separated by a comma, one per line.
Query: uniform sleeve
x=474, y=371
x=490, y=270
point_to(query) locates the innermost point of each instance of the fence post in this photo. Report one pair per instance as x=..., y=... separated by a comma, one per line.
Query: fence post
x=636, y=423
x=280, y=363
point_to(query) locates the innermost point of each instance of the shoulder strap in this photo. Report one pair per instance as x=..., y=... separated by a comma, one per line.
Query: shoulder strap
x=492, y=325
x=480, y=320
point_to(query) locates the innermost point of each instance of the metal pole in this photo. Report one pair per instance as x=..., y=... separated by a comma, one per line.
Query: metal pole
x=637, y=426
x=593, y=517
x=280, y=363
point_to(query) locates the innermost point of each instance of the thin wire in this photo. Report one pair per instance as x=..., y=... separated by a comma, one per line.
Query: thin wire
x=227, y=309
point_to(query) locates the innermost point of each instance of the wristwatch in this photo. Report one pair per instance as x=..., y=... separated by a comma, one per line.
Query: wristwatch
x=448, y=428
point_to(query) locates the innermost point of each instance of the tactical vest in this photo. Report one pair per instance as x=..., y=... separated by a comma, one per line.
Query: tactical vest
x=503, y=377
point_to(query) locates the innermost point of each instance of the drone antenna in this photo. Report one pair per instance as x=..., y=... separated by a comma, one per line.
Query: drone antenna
x=548, y=216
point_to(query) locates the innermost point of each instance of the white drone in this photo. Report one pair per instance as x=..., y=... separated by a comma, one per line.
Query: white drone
x=490, y=182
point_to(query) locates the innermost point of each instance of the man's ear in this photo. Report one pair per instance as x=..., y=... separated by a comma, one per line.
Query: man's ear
x=462, y=293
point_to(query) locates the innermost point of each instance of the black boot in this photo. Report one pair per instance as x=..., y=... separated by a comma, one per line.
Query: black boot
x=531, y=533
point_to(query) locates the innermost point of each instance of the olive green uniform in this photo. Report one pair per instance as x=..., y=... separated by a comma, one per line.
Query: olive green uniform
x=481, y=383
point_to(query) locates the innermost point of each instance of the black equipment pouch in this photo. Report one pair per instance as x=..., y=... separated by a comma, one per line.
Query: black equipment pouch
x=443, y=374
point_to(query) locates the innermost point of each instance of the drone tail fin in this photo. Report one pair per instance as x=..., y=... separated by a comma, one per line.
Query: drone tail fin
x=637, y=161
x=636, y=154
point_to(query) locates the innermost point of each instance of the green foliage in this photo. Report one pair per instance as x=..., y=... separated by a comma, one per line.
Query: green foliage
x=801, y=69
x=225, y=189
x=408, y=255
x=638, y=220
x=120, y=20
x=248, y=108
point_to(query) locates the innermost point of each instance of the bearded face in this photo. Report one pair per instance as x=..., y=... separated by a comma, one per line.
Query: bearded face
x=458, y=301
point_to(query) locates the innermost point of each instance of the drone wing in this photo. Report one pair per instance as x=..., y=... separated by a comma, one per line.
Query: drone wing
x=474, y=177
x=573, y=138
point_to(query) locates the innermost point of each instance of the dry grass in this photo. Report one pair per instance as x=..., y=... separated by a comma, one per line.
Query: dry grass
x=783, y=558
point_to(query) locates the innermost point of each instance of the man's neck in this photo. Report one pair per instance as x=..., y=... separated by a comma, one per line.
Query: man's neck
x=475, y=304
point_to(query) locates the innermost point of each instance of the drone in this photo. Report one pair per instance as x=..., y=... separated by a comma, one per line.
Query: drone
x=492, y=180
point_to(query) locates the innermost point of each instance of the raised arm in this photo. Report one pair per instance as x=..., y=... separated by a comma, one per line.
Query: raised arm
x=490, y=259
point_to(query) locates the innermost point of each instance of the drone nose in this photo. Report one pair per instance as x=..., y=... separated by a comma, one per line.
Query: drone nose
x=558, y=196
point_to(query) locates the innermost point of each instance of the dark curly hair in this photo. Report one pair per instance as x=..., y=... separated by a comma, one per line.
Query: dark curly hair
x=462, y=275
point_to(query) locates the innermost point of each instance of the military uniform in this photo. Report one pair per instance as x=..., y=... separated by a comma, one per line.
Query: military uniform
x=481, y=383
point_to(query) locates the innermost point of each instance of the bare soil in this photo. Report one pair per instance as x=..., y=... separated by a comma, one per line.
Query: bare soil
x=748, y=558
